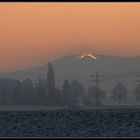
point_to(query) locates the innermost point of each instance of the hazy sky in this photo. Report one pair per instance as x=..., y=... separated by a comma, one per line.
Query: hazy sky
x=31, y=34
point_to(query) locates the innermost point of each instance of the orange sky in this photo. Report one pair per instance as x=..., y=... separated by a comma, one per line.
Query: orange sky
x=31, y=34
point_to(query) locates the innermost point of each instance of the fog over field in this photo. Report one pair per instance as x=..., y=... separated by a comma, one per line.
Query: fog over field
x=115, y=69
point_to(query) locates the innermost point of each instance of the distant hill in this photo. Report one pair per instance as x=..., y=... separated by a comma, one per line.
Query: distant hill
x=112, y=67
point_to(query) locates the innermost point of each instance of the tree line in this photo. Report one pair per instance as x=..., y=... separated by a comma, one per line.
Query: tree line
x=44, y=92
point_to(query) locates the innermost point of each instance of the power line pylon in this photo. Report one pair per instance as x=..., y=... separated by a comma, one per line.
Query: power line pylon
x=97, y=81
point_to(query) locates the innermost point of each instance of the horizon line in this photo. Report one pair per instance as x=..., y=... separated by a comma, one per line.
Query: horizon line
x=72, y=54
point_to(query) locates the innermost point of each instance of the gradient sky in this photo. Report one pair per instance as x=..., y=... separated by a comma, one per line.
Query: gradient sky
x=32, y=34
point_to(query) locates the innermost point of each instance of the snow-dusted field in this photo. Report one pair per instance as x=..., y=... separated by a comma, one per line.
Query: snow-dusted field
x=71, y=123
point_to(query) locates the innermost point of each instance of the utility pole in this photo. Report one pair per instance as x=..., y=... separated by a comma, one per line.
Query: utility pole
x=97, y=80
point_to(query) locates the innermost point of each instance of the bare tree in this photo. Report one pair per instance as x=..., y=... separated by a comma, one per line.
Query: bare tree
x=18, y=98
x=66, y=93
x=50, y=79
x=119, y=93
x=28, y=94
x=78, y=91
x=137, y=93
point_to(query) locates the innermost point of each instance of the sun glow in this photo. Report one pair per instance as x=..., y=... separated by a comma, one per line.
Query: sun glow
x=87, y=54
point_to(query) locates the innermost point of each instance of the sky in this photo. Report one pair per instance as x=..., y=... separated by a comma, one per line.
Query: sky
x=31, y=34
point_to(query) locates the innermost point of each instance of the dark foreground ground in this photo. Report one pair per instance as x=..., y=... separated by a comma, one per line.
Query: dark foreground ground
x=71, y=123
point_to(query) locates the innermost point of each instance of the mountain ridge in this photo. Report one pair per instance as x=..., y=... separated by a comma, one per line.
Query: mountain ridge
x=66, y=56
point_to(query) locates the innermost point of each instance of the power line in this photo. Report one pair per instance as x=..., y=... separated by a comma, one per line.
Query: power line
x=97, y=81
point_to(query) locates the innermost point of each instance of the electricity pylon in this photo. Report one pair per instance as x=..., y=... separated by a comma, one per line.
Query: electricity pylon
x=97, y=80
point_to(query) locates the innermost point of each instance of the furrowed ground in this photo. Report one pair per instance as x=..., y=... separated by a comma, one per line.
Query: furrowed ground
x=71, y=123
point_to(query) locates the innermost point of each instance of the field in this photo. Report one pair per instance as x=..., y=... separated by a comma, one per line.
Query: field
x=71, y=123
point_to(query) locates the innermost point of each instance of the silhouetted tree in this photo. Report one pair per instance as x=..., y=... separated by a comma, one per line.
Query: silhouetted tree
x=50, y=79
x=3, y=88
x=92, y=91
x=18, y=98
x=55, y=98
x=41, y=97
x=66, y=93
x=137, y=93
x=28, y=91
x=119, y=93
x=78, y=92
x=66, y=87
x=7, y=90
